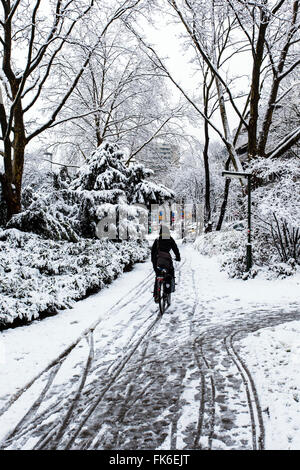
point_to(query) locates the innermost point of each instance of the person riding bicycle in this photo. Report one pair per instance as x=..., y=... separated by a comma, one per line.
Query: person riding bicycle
x=161, y=258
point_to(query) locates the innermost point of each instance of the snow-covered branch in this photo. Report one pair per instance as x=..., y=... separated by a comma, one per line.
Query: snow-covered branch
x=285, y=144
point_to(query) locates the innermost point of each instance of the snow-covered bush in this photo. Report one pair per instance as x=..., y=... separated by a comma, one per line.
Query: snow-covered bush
x=214, y=243
x=50, y=255
x=277, y=189
x=275, y=227
x=50, y=215
x=229, y=246
x=104, y=188
x=276, y=203
x=40, y=276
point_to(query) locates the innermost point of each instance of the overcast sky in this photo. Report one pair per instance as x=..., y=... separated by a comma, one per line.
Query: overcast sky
x=166, y=38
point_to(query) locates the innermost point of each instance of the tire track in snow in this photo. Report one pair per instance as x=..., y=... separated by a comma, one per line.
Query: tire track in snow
x=72, y=407
x=257, y=424
x=179, y=430
x=129, y=400
x=121, y=367
x=212, y=410
x=18, y=431
x=57, y=363
x=114, y=370
x=112, y=380
x=198, y=433
x=82, y=379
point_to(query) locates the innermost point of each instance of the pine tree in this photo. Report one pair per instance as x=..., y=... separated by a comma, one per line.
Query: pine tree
x=102, y=198
x=143, y=191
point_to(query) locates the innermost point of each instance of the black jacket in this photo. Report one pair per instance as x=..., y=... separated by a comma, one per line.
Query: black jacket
x=165, y=245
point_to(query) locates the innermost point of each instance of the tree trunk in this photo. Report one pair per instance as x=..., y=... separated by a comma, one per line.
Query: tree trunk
x=8, y=197
x=225, y=199
x=11, y=180
x=99, y=138
x=17, y=178
x=277, y=77
x=19, y=145
x=11, y=186
x=255, y=83
x=207, y=207
x=10, y=194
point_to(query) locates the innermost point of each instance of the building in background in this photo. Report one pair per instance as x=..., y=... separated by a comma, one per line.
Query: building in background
x=161, y=158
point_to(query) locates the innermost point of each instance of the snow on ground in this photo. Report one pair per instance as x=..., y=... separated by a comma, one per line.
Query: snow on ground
x=254, y=293
x=206, y=306
x=273, y=355
x=27, y=350
x=229, y=246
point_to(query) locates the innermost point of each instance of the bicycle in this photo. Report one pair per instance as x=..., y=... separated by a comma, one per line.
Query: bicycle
x=163, y=286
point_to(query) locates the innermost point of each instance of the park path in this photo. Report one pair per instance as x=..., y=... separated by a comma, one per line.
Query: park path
x=136, y=380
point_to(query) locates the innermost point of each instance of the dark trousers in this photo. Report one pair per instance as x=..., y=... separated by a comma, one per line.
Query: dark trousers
x=171, y=273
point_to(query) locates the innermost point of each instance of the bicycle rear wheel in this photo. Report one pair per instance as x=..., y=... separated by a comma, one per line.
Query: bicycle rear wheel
x=161, y=289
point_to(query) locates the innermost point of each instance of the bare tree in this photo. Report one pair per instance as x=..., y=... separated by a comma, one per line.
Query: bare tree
x=121, y=97
x=271, y=33
x=268, y=32
x=33, y=42
x=211, y=40
x=272, y=30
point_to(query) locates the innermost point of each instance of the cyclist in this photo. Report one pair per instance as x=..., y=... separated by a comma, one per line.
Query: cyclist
x=160, y=256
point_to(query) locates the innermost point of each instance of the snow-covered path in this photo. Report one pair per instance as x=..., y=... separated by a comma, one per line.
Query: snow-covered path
x=194, y=378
